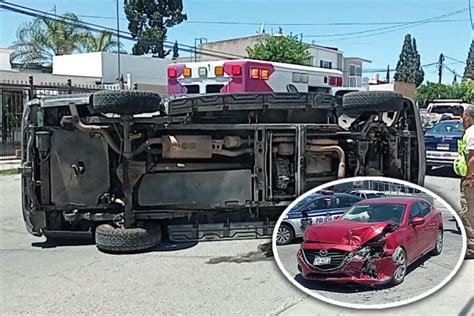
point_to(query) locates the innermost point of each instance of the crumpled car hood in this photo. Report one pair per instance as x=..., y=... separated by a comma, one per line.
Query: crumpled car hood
x=345, y=232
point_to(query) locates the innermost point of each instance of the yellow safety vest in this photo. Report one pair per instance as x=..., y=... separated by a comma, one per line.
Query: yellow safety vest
x=460, y=163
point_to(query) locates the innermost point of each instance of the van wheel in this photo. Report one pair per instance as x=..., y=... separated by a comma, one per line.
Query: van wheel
x=127, y=240
x=126, y=102
x=371, y=101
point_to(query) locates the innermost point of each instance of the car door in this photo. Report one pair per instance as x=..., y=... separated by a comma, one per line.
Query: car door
x=318, y=210
x=415, y=234
x=431, y=227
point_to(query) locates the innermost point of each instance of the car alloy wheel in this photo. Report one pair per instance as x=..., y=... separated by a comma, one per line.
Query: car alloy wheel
x=284, y=235
x=439, y=241
x=400, y=258
x=438, y=244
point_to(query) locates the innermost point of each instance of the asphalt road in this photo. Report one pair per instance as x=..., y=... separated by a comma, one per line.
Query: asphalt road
x=175, y=279
x=37, y=278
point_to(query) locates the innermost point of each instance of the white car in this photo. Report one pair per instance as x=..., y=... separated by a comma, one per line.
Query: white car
x=368, y=194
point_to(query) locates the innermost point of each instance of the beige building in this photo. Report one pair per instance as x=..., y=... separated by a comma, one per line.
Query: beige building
x=321, y=56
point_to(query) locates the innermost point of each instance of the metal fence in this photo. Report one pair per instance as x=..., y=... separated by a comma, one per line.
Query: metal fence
x=14, y=94
x=393, y=188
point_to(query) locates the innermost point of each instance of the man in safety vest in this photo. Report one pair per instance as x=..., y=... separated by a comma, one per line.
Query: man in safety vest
x=464, y=166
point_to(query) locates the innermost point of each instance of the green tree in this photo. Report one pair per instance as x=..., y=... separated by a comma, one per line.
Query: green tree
x=409, y=64
x=283, y=49
x=149, y=21
x=419, y=73
x=431, y=91
x=469, y=70
x=39, y=40
x=105, y=41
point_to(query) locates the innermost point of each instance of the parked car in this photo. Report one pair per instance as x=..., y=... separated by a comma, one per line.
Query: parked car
x=122, y=167
x=441, y=142
x=373, y=243
x=444, y=109
x=314, y=209
x=368, y=194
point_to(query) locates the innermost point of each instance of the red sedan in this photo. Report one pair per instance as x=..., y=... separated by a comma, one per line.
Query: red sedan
x=373, y=243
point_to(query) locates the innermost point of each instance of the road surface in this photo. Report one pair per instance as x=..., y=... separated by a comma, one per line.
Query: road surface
x=37, y=278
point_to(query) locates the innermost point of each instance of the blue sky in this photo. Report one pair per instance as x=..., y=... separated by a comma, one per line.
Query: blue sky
x=451, y=38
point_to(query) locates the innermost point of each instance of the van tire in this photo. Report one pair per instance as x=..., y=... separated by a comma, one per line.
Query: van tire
x=126, y=102
x=127, y=240
x=372, y=101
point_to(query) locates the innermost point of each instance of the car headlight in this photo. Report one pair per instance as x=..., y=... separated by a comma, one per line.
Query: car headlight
x=363, y=252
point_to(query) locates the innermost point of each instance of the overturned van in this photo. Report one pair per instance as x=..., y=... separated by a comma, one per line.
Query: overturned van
x=124, y=168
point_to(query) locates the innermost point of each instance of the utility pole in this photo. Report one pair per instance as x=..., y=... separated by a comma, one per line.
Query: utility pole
x=388, y=74
x=440, y=69
x=118, y=44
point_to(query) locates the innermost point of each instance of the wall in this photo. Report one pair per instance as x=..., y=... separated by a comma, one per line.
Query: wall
x=86, y=65
x=346, y=69
x=145, y=70
x=228, y=48
x=326, y=55
x=5, y=59
x=406, y=89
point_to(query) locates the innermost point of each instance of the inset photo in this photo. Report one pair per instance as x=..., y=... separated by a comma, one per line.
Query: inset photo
x=369, y=242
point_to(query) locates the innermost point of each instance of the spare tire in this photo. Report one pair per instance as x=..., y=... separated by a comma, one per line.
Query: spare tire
x=372, y=101
x=126, y=102
x=127, y=240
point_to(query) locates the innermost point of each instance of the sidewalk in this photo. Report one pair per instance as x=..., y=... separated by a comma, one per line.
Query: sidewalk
x=9, y=166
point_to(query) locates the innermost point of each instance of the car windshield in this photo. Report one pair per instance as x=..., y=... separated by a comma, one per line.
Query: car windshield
x=447, y=128
x=375, y=195
x=376, y=212
x=441, y=109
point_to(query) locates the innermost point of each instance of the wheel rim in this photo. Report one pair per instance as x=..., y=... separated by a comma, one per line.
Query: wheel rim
x=400, y=259
x=439, y=241
x=283, y=234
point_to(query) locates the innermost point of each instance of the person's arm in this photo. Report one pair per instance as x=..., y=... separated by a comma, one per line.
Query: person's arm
x=470, y=169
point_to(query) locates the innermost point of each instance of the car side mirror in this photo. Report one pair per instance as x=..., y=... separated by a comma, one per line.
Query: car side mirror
x=417, y=221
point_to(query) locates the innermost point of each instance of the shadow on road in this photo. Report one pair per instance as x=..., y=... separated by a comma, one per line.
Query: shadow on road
x=167, y=245
x=335, y=287
x=164, y=246
x=53, y=243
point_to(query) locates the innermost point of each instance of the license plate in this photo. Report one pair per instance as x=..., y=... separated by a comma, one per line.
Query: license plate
x=442, y=147
x=319, y=261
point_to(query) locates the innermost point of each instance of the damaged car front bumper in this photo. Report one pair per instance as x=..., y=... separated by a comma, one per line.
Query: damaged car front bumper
x=345, y=264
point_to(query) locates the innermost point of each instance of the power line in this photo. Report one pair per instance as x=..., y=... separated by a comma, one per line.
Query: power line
x=456, y=60
x=388, y=29
x=470, y=15
x=281, y=24
x=100, y=28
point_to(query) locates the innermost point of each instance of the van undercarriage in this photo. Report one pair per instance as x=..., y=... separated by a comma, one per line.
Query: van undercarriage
x=204, y=167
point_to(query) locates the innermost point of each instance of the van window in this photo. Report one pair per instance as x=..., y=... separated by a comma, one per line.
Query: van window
x=192, y=88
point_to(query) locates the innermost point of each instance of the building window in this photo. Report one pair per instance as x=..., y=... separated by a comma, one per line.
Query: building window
x=355, y=71
x=325, y=64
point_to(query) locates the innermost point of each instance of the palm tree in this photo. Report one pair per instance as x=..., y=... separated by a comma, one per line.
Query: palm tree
x=104, y=42
x=41, y=39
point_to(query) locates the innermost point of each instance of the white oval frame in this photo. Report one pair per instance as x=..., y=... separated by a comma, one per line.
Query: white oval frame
x=375, y=306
